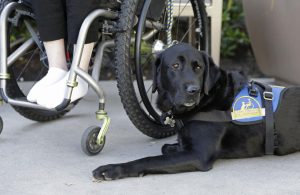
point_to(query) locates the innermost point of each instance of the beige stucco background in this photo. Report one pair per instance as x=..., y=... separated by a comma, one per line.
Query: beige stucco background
x=274, y=30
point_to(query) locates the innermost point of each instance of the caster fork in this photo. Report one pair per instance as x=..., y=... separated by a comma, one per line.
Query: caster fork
x=102, y=116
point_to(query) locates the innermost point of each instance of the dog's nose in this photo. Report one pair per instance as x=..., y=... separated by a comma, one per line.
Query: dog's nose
x=192, y=89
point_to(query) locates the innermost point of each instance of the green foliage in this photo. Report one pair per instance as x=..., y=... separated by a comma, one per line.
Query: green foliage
x=17, y=33
x=235, y=40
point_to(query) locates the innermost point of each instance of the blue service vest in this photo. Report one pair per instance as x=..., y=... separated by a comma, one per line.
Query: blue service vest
x=247, y=108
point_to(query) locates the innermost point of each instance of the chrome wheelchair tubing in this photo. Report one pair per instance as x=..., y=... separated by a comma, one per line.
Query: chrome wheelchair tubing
x=75, y=69
x=155, y=25
x=99, y=58
x=149, y=35
x=21, y=50
x=3, y=40
x=3, y=56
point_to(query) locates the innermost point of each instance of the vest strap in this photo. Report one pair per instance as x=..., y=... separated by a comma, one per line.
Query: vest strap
x=269, y=118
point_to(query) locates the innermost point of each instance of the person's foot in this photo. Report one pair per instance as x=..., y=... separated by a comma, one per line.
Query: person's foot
x=54, y=95
x=53, y=76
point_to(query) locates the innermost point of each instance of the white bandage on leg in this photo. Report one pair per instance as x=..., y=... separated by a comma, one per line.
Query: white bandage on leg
x=53, y=76
x=54, y=95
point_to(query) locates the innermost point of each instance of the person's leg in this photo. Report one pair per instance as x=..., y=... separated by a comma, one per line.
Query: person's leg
x=50, y=13
x=86, y=56
x=76, y=13
x=56, y=54
x=48, y=100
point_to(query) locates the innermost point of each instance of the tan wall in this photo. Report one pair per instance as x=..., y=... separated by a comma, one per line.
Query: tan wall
x=274, y=29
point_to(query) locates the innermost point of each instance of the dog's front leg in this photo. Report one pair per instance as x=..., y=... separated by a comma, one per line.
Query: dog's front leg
x=168, y=149
x=174, y=163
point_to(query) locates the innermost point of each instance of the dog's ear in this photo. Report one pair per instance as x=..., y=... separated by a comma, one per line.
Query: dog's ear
x=155, y=69
x=211, y=73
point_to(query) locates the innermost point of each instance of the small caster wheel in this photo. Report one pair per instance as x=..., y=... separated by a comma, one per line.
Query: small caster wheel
x=89, y=141
x=1, y=125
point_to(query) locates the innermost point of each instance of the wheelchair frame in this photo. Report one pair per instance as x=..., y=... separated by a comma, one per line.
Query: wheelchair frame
x=75, y=70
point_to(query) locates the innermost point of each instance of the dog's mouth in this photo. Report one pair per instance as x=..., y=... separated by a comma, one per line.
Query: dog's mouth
x=189, y=104
x=178, y=103
x=184, y=107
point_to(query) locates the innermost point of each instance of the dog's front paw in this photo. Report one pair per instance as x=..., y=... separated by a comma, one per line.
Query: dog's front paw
x=108, y=172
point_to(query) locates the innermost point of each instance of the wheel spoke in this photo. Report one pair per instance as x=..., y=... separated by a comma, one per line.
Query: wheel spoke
x=140, y=106
x=181, y=11
x=187, y=32
x=176, y=32
x=26, y=65
x=178, y=21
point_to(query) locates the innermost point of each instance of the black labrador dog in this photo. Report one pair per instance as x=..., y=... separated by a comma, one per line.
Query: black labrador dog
x=189, y=82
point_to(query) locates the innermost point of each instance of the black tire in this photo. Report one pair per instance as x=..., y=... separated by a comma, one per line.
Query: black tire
x=1, y=125
x=3, y=3
x=88, y=141
x=138, y=114
x=14, y=90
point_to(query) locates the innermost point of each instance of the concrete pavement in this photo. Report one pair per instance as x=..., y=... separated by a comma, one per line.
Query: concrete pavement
x=46, y=158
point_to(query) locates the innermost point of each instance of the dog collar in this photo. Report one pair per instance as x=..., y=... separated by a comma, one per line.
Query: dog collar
x=168, y=119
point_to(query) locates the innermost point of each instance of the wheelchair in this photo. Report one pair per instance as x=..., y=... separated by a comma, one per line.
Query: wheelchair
x=134, y=30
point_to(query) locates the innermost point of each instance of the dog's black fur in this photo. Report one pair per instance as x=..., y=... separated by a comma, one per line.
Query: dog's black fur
x=188, y=81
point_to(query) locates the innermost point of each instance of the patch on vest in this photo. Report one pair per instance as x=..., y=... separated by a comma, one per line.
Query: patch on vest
x=246, y=107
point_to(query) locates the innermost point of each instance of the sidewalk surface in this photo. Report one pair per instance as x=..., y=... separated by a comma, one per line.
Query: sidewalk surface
x=46, y=158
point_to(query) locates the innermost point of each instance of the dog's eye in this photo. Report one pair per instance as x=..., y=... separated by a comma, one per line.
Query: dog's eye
x=176, y=66
x=197, y=66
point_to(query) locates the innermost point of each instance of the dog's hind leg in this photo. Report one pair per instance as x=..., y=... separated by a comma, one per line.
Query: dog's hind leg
x=179, y=162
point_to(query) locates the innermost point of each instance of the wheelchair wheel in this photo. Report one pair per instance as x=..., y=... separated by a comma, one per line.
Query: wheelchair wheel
x=33, y=60
x=1, y=125
x=135, y=48
x=89, y=141
x=3, y=3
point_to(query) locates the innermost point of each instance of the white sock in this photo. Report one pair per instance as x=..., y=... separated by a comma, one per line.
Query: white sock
x=54, y=95
x=53, y=76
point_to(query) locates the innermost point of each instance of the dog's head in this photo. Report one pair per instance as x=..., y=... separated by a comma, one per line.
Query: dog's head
x=182, y=76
